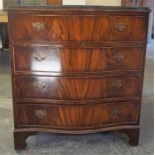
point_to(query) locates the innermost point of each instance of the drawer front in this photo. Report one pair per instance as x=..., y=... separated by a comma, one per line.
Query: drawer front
x=77, y=59
x=75, y=116
x=77, y=28
x=81, y=88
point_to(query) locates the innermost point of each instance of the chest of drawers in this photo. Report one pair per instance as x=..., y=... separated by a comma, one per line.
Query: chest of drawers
x=77, y=70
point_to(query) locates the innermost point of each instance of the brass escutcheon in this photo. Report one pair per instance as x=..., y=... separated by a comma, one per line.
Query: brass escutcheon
x=38, y=26
x=39, y=85
x=39, y=56
x=40, y=113
x=117, y=84
x=120, y=27
x=114, y=111
x=118, y=56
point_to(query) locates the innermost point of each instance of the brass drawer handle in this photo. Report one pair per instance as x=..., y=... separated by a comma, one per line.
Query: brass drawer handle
x=39, y=56
x=38, y=26
x=40, y=85
x=118, y=56
x=117, y=84
x=41, y=113
x=114, y=112
x=120, y=27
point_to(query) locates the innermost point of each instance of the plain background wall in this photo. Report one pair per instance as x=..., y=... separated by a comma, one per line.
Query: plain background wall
x=89, y=2
x=74, y=2
x=1, y=4
x=93, y=2
x=104, y=2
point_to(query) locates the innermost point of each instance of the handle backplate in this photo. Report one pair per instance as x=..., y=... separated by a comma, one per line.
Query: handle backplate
x=38, y=26
x=39, y=56
x=117, y=84
x=40, y=85
x=40, y=113
x=118, y=56
x=120, y=27
x=114, y=111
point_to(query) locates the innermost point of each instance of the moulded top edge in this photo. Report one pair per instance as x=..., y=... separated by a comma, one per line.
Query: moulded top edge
x=78, y=8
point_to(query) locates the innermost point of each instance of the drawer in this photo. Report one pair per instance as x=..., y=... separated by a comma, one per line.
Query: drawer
x=75, y=116
x=78, y=88
x=77, y=59
x=60, y=28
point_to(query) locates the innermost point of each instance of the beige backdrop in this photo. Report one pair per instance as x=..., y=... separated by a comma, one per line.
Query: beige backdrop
x=89, y=2
x=1, y=4
x=93, y=2
x=104, y=2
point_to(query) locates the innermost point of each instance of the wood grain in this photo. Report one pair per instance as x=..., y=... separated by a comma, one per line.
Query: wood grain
x=77, y=117
x=64, y=60
x=90, y=88
x=78, y=28
x=77, y=69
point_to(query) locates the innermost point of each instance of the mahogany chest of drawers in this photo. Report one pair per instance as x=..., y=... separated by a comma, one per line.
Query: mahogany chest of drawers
x=77, y=70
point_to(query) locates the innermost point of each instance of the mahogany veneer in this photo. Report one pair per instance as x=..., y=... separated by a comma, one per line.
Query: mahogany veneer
x=77, y=69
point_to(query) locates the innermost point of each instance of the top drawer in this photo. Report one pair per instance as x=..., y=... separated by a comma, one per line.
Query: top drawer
x=60, y=28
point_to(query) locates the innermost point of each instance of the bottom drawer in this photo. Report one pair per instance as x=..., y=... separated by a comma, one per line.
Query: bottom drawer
x=76, y=116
